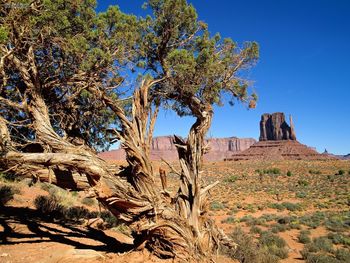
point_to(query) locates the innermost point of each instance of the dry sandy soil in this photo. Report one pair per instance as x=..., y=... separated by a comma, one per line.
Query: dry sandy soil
x=283, y=197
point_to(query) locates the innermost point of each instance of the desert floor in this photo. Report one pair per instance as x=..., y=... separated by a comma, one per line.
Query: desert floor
x=304, y=203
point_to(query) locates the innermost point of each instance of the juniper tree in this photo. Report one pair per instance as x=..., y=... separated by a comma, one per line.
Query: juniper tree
x=64, y=94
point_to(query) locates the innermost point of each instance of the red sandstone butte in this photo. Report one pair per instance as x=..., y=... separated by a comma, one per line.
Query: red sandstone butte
x=163, y=148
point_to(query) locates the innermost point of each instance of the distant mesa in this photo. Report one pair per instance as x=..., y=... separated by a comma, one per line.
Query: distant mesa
x=277, y=141
x=162, y=147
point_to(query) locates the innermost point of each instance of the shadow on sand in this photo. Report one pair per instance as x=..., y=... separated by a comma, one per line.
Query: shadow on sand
x=42, y=229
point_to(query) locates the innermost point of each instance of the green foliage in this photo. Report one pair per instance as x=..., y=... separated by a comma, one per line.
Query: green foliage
x=49, y=206
x=88, y=201
x=338, y=238
x=287, y=205
x=231, y=179
x=76, y=213
x=215, y=205
x=229, y=220
x=343, y=255
x=340, y=172
x=8, y=177
x=109, y=219
x=269, y=171
x=304, y=237
x=7, y=194
x=289, y=174
x=302, y=182
x=248, y=250
x=301, y=194
x=315, y=172
x=273, y=244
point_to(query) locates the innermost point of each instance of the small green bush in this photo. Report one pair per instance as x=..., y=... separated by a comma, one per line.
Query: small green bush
x=8, y=177
x=314, y=172
x=231, y=179
x=272, y=171
x=304, y=237
x=215, y=205
x=340, y=172
x=6, y=194
x=289, y=174
x=274, y=244
x=110, y=220
x=301, y=194
x=343, y=255
x=320, y=244
x=276, y=228
x=88, y=201
x=49, y=206
x=229, y=220
x=77, y=213
x=255, y=230
x=248, y=251
x=303, y=183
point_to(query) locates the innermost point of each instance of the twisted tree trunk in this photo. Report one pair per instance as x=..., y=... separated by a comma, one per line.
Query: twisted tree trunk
x=179, y=228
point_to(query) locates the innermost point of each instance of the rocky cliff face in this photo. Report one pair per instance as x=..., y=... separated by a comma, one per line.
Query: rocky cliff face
x=163, y=148
x=233, y=144
x=273, y=127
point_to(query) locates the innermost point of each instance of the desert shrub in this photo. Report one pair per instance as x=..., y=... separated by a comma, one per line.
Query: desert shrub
x=231, y=179
x=274, y=244
x=276, y=228
x=272, y=171
x=301, y=194
x=252, y=221
x=46, y=186
x=303, y=183
x=229, y=220
x=248, y=250
x=7, y=193
x=320, y=244
x=77, y=213
x=255, y=230
x=319, y=258
x=109, y=219
x=340, y=172
x=338, y=238
x=269, y=217
x=277, y=206
x=338, y=223
x=314, y=172
x=268, y=239
x=343, y=255
x=304, y=237
x=122, y=228
x=74, y=193
x=8, y=177
x=246, y=218
x=215, y=205
x=289, y=174
x=292, y=206
x=313, y=220
x=49, y=206
x=88, y=201
x=321, y=250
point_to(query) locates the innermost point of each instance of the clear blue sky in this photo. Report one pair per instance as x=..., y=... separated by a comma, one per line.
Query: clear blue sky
x=304, y=67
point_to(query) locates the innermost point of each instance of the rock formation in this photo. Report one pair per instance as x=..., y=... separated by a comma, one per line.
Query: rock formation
x=163, y=148
x=273, y=127
x=278, y=142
